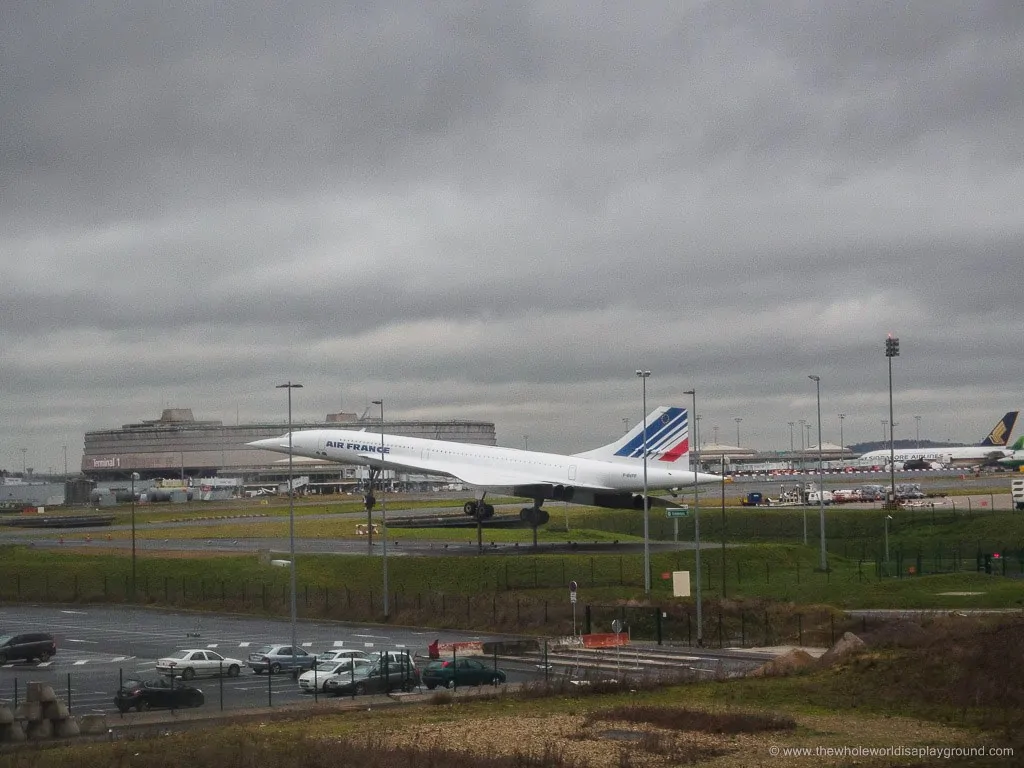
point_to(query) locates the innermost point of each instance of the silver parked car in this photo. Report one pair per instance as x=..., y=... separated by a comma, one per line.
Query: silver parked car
x=279, y=658
x=319, y=677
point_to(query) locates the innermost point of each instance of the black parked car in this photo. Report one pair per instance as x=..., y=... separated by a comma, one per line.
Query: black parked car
x=27, y=646
x=156, y=694
x=450, y=674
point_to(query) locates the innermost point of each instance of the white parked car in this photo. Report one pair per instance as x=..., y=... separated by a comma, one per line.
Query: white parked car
x=317, y=679
x=336, y=655
x=196, y=662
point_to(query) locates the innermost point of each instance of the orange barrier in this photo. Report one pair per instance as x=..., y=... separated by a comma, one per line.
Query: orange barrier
x=605, y=640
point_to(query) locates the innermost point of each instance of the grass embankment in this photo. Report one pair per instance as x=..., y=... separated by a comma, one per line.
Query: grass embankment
x=773, y=592
x=942, y=686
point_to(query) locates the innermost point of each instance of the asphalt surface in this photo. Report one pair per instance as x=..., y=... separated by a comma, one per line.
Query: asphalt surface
x=98, y=646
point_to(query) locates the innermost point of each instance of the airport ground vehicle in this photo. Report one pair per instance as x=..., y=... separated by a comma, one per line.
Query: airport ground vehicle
x=456, y=672
x=196, y=662
x=318, y=677
x=156, y=694
x=27, y=646
x=278, y=658
x=376, y=679
x=753, y=499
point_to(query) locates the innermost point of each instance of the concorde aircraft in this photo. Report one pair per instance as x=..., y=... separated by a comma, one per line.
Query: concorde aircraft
x=611, y=476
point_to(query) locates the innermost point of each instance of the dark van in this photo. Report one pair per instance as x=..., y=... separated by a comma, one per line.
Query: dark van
x=27, y=646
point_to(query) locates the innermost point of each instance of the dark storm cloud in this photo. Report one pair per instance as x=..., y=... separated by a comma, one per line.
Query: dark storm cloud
x=500, y=210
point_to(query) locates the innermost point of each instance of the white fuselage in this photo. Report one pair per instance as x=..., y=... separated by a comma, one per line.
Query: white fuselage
x=945, y=456
x=481, y=464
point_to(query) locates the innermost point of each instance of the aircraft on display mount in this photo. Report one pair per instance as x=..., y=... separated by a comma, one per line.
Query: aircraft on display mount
x=611, y=476
x=992, y=448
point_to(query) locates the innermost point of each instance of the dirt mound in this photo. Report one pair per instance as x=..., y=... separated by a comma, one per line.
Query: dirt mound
x=901, y=633
x=844, y=646
x=786, y=664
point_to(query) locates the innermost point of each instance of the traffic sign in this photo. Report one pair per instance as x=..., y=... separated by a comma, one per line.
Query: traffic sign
x=573, y=586
x=683, y=511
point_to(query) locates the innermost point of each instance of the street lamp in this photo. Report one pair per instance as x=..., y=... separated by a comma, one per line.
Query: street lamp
x=803, y=423
x=384, y=510
x=644, y=375
x=821, y=477
x=892, y=349
x=885, y=431
x=24, y=471
x=696, y=540
x=841, y=443
x=791, y=423
x=738, y=419
x=135, y=476
x=918, y=420
x=291, y=510
x=526, y=438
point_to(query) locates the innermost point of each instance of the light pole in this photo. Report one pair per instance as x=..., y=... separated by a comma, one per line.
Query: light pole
x=384, y=511
x=892, y=349
x=526, y=438
x=714, y=430
x=696, y=540
x=644, y=375
x=885, y=431
x=803, y=423
x=65, y=463
x=791, y=423
x=821, y=477
x=841, y=443
x=918, y=431
x=24, y=471
x=738, y=419
x=291, y=511
x=135, y=476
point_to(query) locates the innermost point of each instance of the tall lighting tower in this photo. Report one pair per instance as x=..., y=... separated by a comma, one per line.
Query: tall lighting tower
x=384, y=512
x=821, y=477
x=291, y=512
x=696, y=539
x=892, y=349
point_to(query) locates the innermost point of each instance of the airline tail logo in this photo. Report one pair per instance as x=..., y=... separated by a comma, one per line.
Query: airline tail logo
x=1000, y=433
x=668, y=437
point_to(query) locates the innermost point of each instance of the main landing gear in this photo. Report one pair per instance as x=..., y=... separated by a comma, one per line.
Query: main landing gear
x=534, y=516
x=479, y=509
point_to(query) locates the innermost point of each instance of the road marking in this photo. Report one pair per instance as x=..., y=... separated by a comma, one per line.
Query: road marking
x=80, y=663
x=45, y=663
x=81, y=613
x=122, y=658
x=339, y=643
x=90, y=642
x=243, y=645
x=306, y=645
x=212, y=645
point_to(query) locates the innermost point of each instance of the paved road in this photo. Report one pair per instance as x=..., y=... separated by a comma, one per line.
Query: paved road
x=98, y=645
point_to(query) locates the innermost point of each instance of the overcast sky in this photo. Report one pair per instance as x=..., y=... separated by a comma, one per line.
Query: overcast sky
x=500, y=211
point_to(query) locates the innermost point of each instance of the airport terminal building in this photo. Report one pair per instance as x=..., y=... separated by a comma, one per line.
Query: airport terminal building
x=178, y=446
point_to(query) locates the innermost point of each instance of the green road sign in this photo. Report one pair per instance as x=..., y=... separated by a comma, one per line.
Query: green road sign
x=678, y=511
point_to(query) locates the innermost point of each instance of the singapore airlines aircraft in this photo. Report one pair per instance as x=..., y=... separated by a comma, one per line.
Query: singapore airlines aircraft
x=993, y=447
x=610, y=476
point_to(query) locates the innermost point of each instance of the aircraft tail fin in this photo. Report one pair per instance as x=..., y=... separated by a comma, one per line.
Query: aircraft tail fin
x=668, y=440
x=1018, y=445
x=1000, y=433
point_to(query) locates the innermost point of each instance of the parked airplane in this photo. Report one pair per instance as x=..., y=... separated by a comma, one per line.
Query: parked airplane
x=611, y=476
x=992, y=448
x=1016, y=459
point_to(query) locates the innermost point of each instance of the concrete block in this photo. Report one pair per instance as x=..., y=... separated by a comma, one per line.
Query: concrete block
x=29, y=710
x=63, y=729
x=55, y=710
x=40, y=730
x=41, y=692
x=12, y=733
x=92, y=724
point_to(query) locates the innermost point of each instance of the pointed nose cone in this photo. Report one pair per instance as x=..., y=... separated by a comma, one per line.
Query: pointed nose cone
x=277, y=444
